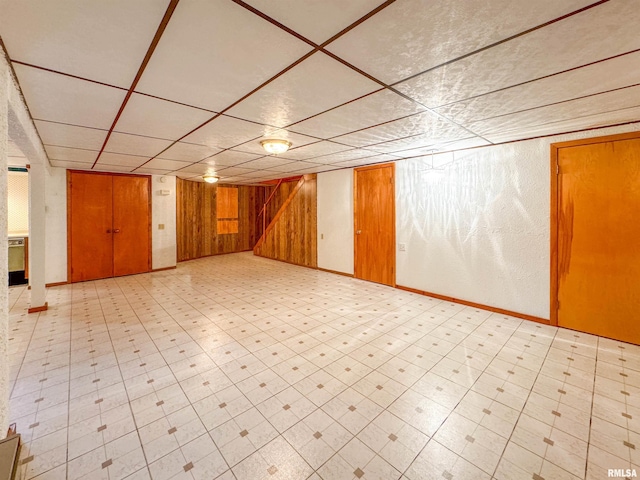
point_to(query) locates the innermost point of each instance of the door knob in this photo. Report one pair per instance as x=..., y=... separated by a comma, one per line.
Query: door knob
x=116, y=230
x=358, y=232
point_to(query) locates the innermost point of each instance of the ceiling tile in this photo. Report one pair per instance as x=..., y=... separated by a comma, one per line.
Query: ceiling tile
x=610, y=108
x=313, y=150
x=317, y=21
x=426, y=124
x=411, y=36
x=214, y=52
x=152, y=171
x=230, y=158
x=570, y=43
x=71, y=165
x=135, y=145
x=188, y=152
x=360, y=162
x=226, y=132
x=199, y=169
x=228, y=171
x=343, y=156
x=313, y=86
x=316, y=169
x=112, y=168
x=296, y=139
x=120, y=159
x=68, y=100
x=71, y=154
x=380, y=107
x=292, y=167
x=63, y=135
x=610, y=75
x=470, y=142
x=152, y=117
x=266, y=162
x=161, y=163
x=103, y=41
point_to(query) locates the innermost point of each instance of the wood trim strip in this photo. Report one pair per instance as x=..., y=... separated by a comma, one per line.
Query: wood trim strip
x=56, y=284
x=41, y=308
x=350, y=275
x=284, y=206
x=164, y=269
x=154, y=43
x=489, y=308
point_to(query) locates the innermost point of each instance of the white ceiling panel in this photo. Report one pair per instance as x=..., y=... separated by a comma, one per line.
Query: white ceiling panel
x=314, y=150
x=199, y=169
x=225, y=132
x=318, y=20
x=214, y=52
x=152, y=117
x=228, y=171
x=411, y=36
x=103, y=41
x=296, y=139
x=65, y=99
x=343, y=156
x=293, y=167
x=317, y=169
x=610, y=75
x=567, y=44
x=442, y=147
x=162, y=164
x=120, y=159
x=135, y=145
x=380, y=107
x=311, y=87
x=112, y=168
x=153, y=171
x=230, y=158
x=360, y=162
x=70, y=135
x=266, y=162
x=426, y=124
x=613, y=107
x=71, y=154
x=188, y=152
x=71, y=165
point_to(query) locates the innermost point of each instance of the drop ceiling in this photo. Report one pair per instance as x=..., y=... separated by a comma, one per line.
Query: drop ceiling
x=188, y=87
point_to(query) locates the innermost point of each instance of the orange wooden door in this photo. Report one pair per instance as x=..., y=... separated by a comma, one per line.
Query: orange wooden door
x=90, y=237
x=374, y=191
x=599, y=239
x=131, y=224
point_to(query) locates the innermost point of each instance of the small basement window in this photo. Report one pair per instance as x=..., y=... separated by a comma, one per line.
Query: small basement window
x=227, y=210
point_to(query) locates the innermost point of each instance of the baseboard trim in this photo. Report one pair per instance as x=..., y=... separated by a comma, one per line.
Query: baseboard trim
x=56, y=284
x=489, y=308
x=164, y=268
x=350, y=275
x=214, y=255
x=41, y=308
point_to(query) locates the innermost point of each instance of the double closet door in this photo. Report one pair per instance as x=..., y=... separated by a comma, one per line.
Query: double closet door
x=109, y=219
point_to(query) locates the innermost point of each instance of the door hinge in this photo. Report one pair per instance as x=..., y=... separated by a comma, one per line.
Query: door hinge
x=557, y=169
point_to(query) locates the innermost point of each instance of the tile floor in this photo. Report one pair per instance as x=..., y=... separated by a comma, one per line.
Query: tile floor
x=238, y=367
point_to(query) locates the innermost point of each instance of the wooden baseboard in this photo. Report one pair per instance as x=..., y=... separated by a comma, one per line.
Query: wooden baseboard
x=56, y=284
x=489, y=308
x=288, y=262
x=163, y=269
x=350, y=275
x=41, y=308
x=214, y=255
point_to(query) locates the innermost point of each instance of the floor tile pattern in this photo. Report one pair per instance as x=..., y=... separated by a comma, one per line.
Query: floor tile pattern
x=238, y=367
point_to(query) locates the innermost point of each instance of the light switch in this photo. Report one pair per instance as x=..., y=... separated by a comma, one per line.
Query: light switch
x=322, y=236
x=161, y=226
x=402, y=247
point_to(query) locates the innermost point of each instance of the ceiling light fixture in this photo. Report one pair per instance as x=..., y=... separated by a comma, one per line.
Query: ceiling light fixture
x=210, y=178
x=274, y=146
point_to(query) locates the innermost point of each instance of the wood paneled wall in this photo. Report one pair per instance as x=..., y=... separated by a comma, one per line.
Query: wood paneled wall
x=292, y=235
x=197, y=220
x=282, y=193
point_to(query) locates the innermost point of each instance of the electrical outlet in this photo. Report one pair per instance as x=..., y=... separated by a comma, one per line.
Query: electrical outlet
x=402, y=247
x=161, y=226
x=322, y=236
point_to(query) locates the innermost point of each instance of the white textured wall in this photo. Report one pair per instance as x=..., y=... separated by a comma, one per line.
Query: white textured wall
x=481, y=232
x=56, y=225
x=4, y=304
x=163, y=212
x=335, y=220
